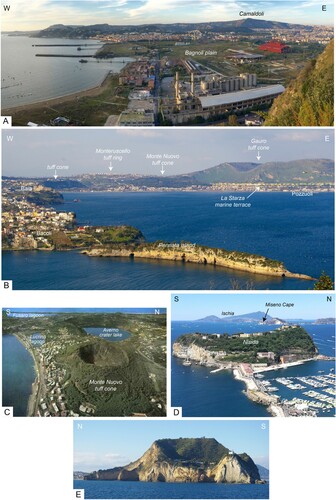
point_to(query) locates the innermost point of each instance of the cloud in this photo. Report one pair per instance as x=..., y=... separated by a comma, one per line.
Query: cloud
x=90, y=461
x=156, y=134
x=39, y=14
x=302, y=136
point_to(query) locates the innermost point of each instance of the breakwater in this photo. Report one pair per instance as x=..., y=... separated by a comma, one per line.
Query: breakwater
x=64, y=55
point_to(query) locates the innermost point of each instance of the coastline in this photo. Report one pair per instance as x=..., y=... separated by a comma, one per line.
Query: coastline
x=254, y=390
x=32, y=400
x=54, y=101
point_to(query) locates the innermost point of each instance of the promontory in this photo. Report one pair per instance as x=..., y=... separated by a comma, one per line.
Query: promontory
x=185, y=460
x=192, y=253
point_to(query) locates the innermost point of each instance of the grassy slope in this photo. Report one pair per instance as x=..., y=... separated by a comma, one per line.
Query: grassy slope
x=308, y=101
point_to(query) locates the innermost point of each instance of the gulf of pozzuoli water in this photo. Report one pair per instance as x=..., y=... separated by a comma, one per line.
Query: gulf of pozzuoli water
x=27, y=79
x=279, y=226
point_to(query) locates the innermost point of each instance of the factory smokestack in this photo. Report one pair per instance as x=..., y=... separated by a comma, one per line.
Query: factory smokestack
x=177, y=87
x=192, y=84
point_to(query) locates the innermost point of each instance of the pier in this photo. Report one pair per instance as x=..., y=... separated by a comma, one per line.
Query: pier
x=64, y=55
x=65, y=45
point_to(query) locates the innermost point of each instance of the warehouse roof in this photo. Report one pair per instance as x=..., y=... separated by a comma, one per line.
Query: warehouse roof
x=240, y=95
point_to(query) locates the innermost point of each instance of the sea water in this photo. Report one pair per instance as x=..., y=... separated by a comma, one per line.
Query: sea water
x=18, y=375
x=27, y=79
x=279, y=226
x=144, y=490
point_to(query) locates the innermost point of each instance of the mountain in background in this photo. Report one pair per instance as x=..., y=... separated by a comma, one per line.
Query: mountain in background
x=292, y=172
x=263, y=472
x=244, y=318
x=79, y=475
x=270, y=172
x=185, y=460
x=325, y=321
x=246, y=26
x=309, y=99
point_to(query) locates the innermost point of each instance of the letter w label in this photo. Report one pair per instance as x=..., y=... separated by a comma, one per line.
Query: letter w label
x=6, y=8
x=10, y=138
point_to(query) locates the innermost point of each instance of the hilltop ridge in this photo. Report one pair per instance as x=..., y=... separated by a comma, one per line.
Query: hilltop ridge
x=246, y=25
x=302, y=171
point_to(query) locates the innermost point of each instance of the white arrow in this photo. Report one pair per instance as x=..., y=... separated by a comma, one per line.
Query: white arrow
x=258, y=157
x=256, y=189
x=162, y=172
x=55, y=175
x=110, y=167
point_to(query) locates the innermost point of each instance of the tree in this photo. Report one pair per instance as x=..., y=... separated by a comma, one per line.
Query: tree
x=324, y=282
x=233, y=121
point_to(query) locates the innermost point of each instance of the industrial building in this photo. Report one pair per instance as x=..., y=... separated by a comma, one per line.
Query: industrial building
x=275, y=46
x=217, y=96
x=230, y=84
x=243, y=57
x=136, y=118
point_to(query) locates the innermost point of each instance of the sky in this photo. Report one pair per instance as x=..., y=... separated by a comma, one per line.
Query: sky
x=30, y=152
x=39, y=14
x=109, y=443
x=197, y=306
x=72, y=310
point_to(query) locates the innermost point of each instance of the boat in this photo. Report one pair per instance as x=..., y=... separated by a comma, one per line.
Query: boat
x=76, y=200
x=83, y=61
x=186, y=363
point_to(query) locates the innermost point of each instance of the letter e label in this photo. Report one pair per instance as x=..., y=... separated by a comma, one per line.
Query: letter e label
x=79, y=494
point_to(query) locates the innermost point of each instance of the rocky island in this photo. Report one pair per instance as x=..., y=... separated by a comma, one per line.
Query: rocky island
x=198, y=254
x=273, y=347
x=185, y=460
x=248, y=355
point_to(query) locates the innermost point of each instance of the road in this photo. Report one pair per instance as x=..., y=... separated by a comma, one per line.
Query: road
x=156, y=92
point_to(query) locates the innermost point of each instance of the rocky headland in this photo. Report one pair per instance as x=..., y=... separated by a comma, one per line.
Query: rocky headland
x=185, y=460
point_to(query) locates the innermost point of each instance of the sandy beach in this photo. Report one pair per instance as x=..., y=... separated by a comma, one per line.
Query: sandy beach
x=32, y=401
x=49, y=103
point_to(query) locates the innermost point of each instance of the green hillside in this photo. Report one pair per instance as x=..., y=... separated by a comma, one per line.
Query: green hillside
x=319, y=170
x=292, y=340
x=193, y=449
x=308, y=100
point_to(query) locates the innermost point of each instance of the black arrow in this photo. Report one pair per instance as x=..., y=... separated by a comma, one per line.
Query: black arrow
x=264, y=318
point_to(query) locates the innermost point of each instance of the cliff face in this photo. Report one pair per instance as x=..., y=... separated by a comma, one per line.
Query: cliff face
x=308, y=101
x=195, y=353
x=241, y=261
x=185, y=460
x=233, y=469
